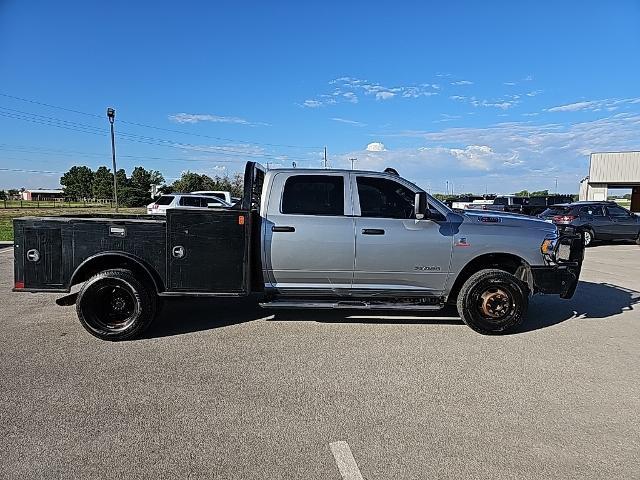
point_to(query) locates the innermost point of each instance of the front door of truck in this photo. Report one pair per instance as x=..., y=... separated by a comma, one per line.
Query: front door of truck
x=396, y=253
x=308, y=234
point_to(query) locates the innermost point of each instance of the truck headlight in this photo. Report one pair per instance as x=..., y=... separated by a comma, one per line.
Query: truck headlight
x=548, y=245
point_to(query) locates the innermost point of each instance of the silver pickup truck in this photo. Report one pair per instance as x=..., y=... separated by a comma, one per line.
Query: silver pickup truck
x=302, y=239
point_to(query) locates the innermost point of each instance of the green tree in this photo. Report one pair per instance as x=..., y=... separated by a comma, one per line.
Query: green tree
x=191, y=182
x=103, y=183
x=540, y=193
x=78, y=182
x=3, y=195
x=121, y=177
x=130, y=196
x=523, y=193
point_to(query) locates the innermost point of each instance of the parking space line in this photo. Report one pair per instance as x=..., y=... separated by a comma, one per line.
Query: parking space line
x=345, y=461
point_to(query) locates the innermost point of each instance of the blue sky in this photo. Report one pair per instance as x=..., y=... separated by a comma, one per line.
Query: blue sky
x=496, y=96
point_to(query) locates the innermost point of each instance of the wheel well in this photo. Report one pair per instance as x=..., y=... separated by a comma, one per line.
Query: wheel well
x=106, y=262
x=502, y=261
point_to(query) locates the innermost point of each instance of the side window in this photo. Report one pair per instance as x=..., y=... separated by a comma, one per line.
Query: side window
x=190, y=202
x=384, y=198
x=313, y=195
x=596, y=211
x=618, y=212
x=204, y=202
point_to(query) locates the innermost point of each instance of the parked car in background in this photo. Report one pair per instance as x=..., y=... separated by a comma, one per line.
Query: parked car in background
x=503, y=203
x=539, y=203
x=222, y=194
x=598, y=220
x=188, y=201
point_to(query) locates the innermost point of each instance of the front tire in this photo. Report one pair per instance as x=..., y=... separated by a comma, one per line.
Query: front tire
x=114, y=305
x=493, y=301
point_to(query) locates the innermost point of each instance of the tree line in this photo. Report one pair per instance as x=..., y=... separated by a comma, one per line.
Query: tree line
x=81, y=182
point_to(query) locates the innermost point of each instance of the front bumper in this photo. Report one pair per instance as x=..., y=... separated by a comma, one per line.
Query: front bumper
x=562, y=273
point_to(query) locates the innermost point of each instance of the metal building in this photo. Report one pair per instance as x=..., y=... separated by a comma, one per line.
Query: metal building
x=612, y=170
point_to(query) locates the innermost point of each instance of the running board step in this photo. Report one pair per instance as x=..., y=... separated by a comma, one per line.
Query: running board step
x=349, y=304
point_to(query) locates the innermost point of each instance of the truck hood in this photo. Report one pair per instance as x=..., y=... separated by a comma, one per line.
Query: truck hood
x=506, y=219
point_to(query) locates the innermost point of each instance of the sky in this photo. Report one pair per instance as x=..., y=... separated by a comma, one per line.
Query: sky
x=481, y=96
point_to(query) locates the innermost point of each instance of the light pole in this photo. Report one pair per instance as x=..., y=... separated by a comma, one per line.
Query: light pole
x=353, y=160
x=111, y=115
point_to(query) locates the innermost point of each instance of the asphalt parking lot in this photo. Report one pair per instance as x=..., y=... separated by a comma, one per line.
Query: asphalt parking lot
x=225, y=390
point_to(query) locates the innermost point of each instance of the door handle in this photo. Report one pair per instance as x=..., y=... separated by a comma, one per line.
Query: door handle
x=282, y=229
x=372, y=231
x=178, y=251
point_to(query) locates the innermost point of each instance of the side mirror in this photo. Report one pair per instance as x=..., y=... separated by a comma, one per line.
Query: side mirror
x=420, y=206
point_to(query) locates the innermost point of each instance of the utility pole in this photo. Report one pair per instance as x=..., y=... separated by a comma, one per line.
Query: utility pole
x=353, y=160
x=447, y=187
x=325, y=157
x=556, y=185
x=111, y=115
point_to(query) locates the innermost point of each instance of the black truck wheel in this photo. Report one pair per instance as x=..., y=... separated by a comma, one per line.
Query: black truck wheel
x=493, y=301
x=115, y=305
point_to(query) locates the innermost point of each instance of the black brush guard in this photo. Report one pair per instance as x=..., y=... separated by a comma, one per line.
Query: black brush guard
x=562, y=277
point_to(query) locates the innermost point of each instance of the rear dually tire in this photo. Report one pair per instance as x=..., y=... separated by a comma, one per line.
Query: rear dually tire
x=115, y=305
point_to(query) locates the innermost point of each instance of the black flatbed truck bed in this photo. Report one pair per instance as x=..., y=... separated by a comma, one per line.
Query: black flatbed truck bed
x=211, y=252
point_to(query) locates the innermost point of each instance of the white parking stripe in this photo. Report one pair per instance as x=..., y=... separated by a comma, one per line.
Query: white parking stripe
x=346, y=463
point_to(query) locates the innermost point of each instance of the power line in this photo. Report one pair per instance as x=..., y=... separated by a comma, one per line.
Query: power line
x=21, y=170
x=85, y=128
x=181, y=132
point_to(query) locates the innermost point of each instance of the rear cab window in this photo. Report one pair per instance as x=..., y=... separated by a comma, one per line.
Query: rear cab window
x=313, y=195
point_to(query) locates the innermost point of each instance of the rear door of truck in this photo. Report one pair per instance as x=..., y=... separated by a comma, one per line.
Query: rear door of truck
x=309, y=239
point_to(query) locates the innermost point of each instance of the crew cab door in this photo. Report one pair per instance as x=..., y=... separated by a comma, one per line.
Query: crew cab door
x=308, y=234
x=395, y=253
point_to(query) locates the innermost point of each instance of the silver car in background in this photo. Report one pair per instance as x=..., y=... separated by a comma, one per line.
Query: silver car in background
x=186, y=201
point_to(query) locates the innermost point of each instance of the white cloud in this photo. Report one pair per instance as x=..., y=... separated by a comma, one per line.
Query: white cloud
x=376, y=147
x=312, y=103
x=609, y=104
x=572, y=107
x=351, y=97
x=510, y=83
x=347, y=89
x=199, y=117
x=350, y=122
x=384, y=95
x=458, y=97
x=462, y=82
x=511, y=155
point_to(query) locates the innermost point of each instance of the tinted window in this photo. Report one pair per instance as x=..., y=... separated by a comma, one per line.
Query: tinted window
x=501, y=201
x=592, y=210
x=556, y=211
x=164, y=200
x=383, y=198
x=217, y=195
x=617, y=211
x=192, y=202
x=313, y=195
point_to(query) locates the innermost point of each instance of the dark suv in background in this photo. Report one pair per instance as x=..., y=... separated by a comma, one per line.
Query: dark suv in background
x=599, y=220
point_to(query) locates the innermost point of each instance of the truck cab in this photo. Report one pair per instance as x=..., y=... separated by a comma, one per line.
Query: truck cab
x=351, y=233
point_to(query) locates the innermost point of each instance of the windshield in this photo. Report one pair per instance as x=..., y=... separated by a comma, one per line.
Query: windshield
x=434, y=202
